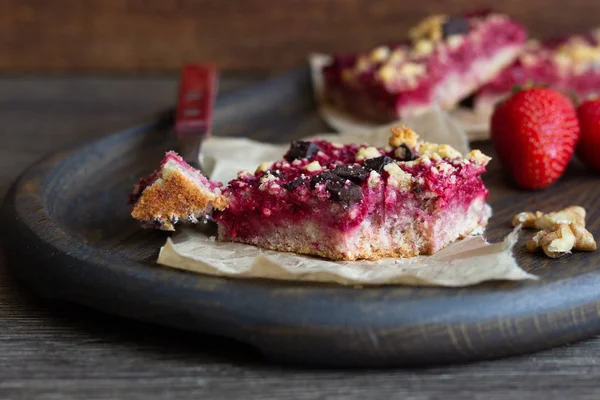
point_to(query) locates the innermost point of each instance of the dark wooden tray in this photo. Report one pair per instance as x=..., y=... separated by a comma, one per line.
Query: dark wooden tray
x=68, y=235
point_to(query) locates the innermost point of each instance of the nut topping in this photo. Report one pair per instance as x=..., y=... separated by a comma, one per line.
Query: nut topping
x=561, y=231
x=540, y=220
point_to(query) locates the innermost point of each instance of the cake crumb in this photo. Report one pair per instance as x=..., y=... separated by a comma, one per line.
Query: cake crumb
x=380, y=54
x=441, y=150
x=398, y=178
x=313, y=166
x=264, y=166
x=478, y=157
x=374, y=179
x=366, y=153
x=402, y=134
x=245, y=172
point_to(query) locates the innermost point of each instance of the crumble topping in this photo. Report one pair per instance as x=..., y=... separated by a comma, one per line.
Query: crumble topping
x=397, y=177
x=245, y=172
x=431, y=28
x=445, y=168
x=380, y=54
x=366, y=153
x=403, y=134
x=340, y=172
x=455, y=41
x=478, y=157
x=410, y=72
x=439, y=27
x=423, y=48
x=264, y=166
x=436, y=151
x=387, y=73
x=374, y=179
x=579, y=50
x=313, y=166
x=264, y=181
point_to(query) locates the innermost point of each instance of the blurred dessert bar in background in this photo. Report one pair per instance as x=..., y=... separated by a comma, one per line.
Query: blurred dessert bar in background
x=570, y=64
x=445, y=60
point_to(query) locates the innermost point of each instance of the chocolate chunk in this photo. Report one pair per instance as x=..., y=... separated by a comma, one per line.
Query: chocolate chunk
x=343, y=191
x=377, y=164
x=294, y=184
x=354, y=173
x=348, y=195
x=324, y=177
x=301, y=149
x=406, y=154
x=455, y=26
x=274, y=172
x=339, y=188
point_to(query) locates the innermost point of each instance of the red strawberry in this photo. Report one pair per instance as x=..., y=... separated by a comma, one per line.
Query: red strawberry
x=588, y=149
x=534, y=133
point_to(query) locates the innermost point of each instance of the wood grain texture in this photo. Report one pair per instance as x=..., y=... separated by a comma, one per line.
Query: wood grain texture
x=57, y=351
x=160, y=35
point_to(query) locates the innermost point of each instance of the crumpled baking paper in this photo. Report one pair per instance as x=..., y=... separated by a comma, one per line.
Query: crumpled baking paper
x=466, y=262
x=463, y=263
x=464, y=125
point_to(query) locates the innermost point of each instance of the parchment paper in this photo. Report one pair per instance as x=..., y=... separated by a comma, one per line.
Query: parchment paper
x=468, y=125
x=466, y=262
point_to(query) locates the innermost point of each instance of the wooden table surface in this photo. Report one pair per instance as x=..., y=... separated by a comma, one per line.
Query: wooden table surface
x=62, y=351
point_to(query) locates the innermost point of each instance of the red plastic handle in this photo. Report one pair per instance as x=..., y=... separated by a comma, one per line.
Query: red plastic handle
x=197, y=92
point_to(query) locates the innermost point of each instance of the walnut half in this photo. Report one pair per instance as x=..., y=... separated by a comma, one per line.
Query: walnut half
x=560, y=231
x=540, y=220
x=561, y=239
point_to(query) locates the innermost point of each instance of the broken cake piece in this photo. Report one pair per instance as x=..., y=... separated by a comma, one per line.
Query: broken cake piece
x=445, y=60
x=353, y=201
x=174, y=192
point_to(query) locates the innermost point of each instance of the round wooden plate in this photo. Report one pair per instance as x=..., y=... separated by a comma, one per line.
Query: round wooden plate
x=68, y=235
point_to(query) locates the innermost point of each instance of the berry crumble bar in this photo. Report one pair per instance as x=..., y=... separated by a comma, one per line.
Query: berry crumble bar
x=349, y=202
x=445, y=60
x=569, y=64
